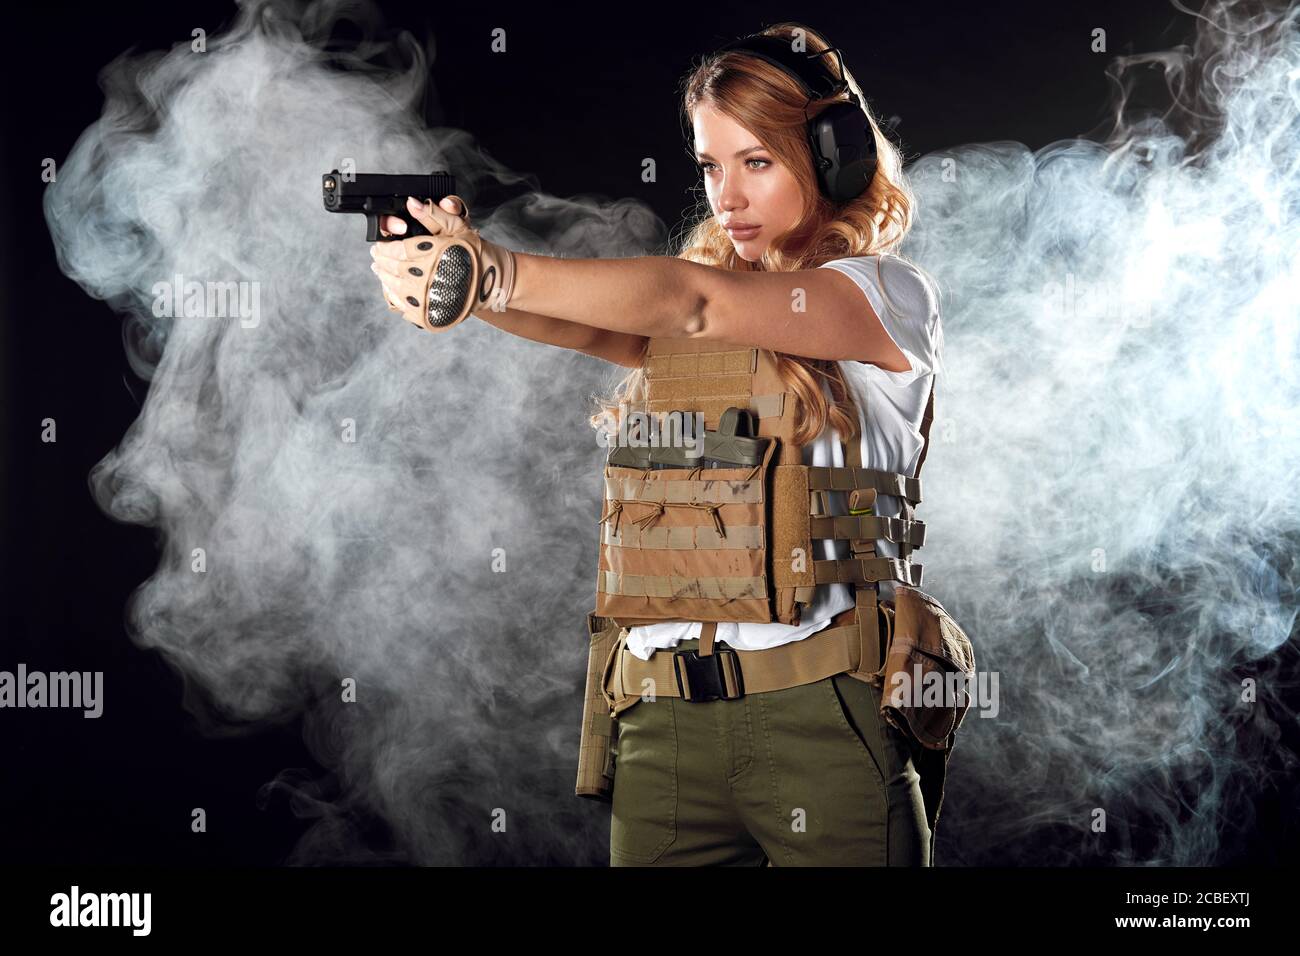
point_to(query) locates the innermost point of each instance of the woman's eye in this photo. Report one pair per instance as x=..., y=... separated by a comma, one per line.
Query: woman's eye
x=703, y=167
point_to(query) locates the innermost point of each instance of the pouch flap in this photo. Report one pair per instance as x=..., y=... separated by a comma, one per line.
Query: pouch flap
x=926, y=641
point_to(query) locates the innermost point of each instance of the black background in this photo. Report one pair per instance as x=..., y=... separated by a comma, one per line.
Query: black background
x=582, y=98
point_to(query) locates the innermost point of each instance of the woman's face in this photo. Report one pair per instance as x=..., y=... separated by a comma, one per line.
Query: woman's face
x=744, y=182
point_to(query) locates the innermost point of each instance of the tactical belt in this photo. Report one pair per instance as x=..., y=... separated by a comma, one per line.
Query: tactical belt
x=724, y=673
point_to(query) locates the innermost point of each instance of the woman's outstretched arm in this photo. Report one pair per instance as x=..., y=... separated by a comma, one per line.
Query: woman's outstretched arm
x=620, y=348
x=652, y=296
x=816, y=313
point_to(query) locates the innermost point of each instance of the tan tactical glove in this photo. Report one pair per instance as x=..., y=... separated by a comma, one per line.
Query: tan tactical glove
x=460, y=210
x=437, y=281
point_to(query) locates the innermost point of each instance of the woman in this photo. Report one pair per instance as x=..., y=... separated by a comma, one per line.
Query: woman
x=787, y=264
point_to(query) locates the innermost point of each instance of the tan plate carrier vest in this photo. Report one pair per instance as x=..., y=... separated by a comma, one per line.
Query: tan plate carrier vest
x=724, y=544
x=736, y=544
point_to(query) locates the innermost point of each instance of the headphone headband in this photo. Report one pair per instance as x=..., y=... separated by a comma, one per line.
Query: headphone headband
x=808, y=68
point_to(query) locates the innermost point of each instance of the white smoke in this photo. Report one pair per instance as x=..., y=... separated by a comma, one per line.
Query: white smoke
x=1152, y=435
x=326, y=559
x=1111, y=492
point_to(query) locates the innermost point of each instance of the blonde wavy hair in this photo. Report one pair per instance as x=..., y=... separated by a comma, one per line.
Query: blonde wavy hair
x=769, y=103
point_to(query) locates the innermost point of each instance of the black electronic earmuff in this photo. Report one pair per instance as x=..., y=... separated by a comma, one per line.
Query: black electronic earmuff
x=843, y=147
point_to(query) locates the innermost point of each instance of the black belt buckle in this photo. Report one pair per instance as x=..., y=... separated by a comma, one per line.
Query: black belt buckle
x=704, y=677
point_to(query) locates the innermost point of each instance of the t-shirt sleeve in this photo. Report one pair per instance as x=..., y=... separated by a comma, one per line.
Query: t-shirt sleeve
x=902, y=297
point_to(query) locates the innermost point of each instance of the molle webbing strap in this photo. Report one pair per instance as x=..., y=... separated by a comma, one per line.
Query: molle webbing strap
x=692, y=364
x=897, y=530
x=684, y=538
x=867, y=570
x=703, y=386
x=854, y=477
x=763, y=406
x=681, y=588
x=627, y=485
x=653, y=611
x=706, y=377
x=673, y=346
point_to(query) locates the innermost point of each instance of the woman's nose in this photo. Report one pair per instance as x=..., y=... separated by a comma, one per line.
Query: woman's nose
x=731, y=198
x=728, y=192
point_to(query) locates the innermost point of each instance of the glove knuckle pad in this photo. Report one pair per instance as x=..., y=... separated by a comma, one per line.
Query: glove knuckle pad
x=449, y=287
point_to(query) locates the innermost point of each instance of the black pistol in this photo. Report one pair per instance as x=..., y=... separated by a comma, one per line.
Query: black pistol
x=384, y=194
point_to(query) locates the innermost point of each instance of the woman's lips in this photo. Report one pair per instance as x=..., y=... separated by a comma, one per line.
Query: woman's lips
x=748, y=232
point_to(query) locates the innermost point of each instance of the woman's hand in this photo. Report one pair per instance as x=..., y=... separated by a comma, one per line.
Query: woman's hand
x=435, y=280
x=394, y=225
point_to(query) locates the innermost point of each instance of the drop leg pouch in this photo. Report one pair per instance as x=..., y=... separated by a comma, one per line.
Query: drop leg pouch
x=595, y=748
x=926, y=644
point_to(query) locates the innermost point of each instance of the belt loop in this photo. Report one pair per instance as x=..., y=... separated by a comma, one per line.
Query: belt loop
x=614, y=661
x=707, y=631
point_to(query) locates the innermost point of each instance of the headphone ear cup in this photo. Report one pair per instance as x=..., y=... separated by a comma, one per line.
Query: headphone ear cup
x=844, y=151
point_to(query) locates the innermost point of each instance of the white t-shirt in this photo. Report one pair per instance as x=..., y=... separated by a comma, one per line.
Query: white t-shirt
x=891, y=441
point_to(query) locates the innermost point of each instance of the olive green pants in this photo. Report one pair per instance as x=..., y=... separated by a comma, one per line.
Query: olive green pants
x=805, y=776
